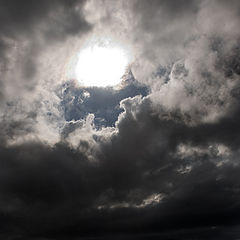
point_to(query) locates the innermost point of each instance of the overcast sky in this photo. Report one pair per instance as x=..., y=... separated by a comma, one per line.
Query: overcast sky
x=156, y=157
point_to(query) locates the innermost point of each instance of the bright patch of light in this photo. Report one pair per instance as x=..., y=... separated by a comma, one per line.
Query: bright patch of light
x=101, y=66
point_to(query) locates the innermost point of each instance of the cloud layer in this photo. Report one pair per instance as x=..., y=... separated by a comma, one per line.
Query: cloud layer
x=156, y=157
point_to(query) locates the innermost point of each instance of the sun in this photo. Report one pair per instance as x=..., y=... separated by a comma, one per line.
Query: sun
x=101, y=65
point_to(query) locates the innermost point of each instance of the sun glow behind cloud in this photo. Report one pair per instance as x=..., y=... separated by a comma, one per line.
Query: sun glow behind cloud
x=101, y=65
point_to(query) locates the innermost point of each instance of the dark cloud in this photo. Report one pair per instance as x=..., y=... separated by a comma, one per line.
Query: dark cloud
x=155, y=158
x=63, y=17
x=56, y=191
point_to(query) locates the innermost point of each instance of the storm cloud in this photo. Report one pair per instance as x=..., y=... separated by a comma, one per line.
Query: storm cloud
x=156, y=157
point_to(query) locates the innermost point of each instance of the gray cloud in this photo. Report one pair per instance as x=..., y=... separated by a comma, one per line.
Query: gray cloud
x=30, y=31
x=157, y=157
x=43, y=185
x=29, y=28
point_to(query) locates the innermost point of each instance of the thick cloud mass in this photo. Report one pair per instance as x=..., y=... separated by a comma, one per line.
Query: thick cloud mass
x=156, y=157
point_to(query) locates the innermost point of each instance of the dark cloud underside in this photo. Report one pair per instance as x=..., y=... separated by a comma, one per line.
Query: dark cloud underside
x=156, y=157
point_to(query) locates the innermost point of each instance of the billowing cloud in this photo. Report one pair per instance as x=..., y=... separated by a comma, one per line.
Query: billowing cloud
x=156, y=156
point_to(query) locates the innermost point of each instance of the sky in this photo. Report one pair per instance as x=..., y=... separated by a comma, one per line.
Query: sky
x=155, y=156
